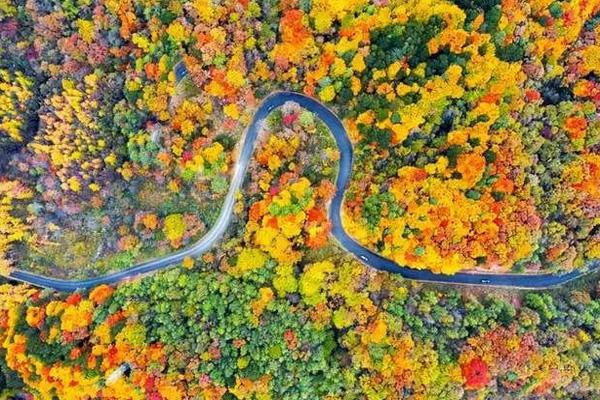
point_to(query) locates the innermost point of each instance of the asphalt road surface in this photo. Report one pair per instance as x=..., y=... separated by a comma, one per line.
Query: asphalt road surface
x=365, y=255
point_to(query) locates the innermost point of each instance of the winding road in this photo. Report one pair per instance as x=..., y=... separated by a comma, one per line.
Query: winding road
x=368, y=257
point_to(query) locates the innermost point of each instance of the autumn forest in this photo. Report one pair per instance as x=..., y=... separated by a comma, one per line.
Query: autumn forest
x=475, y=138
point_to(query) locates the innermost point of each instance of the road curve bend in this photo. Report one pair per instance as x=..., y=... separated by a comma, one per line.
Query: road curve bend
x=368, y=257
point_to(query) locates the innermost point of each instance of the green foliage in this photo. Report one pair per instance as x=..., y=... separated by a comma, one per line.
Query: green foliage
x=373, y=135
x=394, y=42
x=380, y=205
x=196, y=311
x=543, y=304
x=219, y=184
x=512, y=52
x=9, y=379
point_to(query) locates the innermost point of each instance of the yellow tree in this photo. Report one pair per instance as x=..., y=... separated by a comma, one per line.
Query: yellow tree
x=12, y=229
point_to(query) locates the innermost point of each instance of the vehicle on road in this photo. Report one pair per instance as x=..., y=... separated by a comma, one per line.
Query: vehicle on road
x=337, y=129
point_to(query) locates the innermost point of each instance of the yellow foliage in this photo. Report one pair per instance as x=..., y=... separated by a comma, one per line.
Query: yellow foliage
x=342, y=318
x=375, y=332
x=235, y=78
x=34, y=316
x=156, y=98
x=177, y=31
x=284, y=281
x=74, y=184
x=75, y=317
x=345, y=45
x=325, y=12
x=174, y=229
x=188, y=263
x=355, y=85
x=188, y=116
x=327, y=93
x=71, y=137
x=591, y=58
x=291, y=225
x=111, y=159
x=231, y=110
x=205, y=9
x=54, y=308
x=140, y=41
x=249, y=259
x=13, y=87
x=12, y=229
x=102, y=333
x=265, y=295
x=312, y=281
x=7, y=8
x=264, y=236
x=300, y=187
x=121, y=389
x=338, y=67
x=86, y=30
x=274, y=162
x=213, y=152
x=169, y=392
x=246, y=389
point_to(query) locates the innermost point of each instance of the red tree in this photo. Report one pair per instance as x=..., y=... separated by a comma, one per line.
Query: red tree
x=476, y=373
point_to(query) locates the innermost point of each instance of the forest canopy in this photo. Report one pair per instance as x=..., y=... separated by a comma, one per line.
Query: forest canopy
x=475, y=133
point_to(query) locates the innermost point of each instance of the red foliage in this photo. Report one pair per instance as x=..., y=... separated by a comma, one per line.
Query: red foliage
x=290, y=339
x=492, y=98
x=154, y=396
x=4, y=319
x=272, y=222
x=149, y=384
x=476, y=373
x=532, y=95
x=113, y=319
x=187, y=156
x=289, y=119
x=73, y=299
x=316, y=215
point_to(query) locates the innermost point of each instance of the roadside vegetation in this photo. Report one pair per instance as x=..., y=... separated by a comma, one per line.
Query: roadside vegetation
x=330, y=329
x=474, y=123
x=476, y=134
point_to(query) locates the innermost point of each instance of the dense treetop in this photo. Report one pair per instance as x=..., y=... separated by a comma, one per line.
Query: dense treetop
x=476, y=137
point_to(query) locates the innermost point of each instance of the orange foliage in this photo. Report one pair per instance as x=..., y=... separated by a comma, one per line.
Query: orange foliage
x=101, y=293
x=576, y=127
